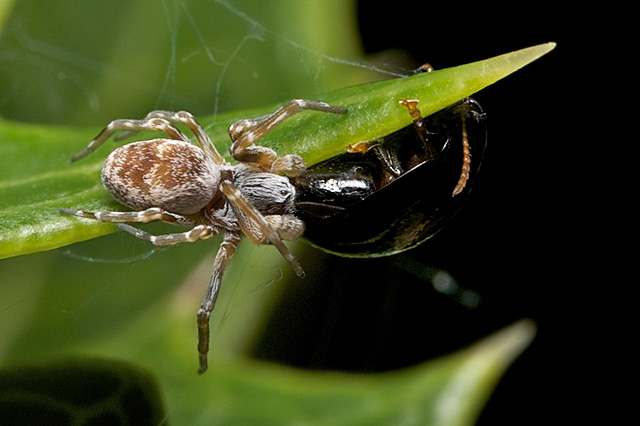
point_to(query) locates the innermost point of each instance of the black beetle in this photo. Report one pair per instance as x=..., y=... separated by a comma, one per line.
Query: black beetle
x=400, y=191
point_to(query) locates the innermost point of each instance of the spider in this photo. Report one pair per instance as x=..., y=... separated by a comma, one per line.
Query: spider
x=177, y=182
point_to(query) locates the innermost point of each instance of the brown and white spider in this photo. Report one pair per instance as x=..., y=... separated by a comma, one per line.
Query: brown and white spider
x=176, y=182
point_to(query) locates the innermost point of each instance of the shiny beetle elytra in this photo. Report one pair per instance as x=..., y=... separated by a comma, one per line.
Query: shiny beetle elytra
x=388, y=196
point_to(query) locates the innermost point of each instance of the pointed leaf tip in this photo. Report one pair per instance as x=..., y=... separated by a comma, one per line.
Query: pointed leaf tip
x=522, y=57
x=466, y=392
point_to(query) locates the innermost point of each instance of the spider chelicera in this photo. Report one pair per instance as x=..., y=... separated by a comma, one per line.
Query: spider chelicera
x=175, y=181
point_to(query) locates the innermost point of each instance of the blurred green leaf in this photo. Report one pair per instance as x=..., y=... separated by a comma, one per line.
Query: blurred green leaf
x=5, y=9
x=36, y=178
x=79, y=391
x=446, y=392
x=118, y=298
x=84, y=63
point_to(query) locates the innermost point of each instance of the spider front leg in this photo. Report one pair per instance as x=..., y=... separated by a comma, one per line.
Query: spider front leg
x=225, y=252
x=131, y=125
x=255, y=226
x=192, y=124
x=244, y=133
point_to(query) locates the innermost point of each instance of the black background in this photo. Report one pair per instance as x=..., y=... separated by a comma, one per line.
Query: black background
x=514, y=244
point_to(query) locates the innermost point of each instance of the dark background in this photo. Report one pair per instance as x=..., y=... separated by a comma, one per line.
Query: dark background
x=513, y=246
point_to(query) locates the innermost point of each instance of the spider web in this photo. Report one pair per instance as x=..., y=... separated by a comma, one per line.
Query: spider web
x=205, y=56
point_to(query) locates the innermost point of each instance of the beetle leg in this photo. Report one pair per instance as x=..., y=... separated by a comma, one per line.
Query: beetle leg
x=412, y=106
x=423, y=68
x=255, y=226
x=388, y=160
x=126, y=124
x=244, y=133
x=418, y=123
x=464, y=108
x=466, y=161
x=225, y=252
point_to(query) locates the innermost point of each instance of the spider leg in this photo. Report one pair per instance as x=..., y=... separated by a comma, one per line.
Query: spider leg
x=288, y=226
x=255, y=226
x=193, y=125
x=225, y=252
x=144, y=216
x=199, y=232
x=244, y=133
x=125, y=124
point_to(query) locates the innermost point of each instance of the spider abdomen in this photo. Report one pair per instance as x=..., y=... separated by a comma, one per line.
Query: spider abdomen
x=173, y=175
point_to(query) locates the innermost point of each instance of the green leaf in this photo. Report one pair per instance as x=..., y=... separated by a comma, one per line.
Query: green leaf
x=36, y=178
x=5, y=9
x=79, y=391
x=446, y=392
x=115, y=298
x=449, y=391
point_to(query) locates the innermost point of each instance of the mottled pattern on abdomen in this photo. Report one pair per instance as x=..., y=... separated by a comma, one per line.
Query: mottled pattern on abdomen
x=173, y=175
